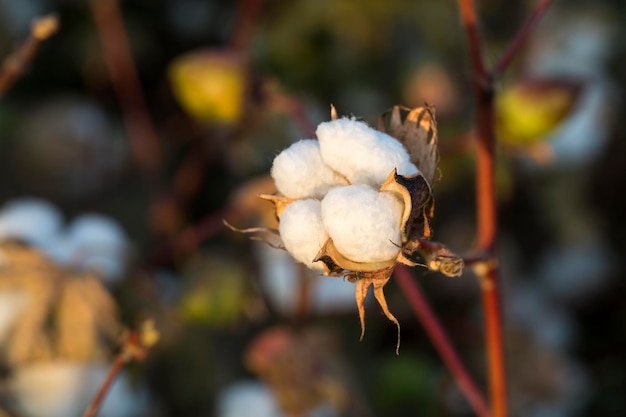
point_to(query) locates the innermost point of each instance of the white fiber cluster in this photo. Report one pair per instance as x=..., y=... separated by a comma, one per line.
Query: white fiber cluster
x=363, y=223
x=335, y=183
x=360, y=153
x=303, y=232
x=299, y=171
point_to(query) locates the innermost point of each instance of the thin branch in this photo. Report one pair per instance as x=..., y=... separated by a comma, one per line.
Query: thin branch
x=16, y=63
x=118, y=57
x=248, y=12
x=135, y=348
x=521, y=37
x=437, y=335
x=96, y=403
x=486, y=209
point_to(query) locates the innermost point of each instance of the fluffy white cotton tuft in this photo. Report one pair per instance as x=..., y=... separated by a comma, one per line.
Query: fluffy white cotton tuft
x=302, y=231
x=360, y=153
x=363, y=223
x=299, y=171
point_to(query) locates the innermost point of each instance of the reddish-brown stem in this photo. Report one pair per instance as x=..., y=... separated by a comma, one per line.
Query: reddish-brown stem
x=493, y=322
x=486, y=209
x=247, y=13
x=135, y=347
x=114, y=370
x=16, y=63
x=485, y=190
x=437, y=336
x=117, y=55
x=522, y=36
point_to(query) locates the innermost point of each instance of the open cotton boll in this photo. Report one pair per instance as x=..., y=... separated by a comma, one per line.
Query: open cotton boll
x=360, y=153
x=302, y=231
x=363, y=223
x=299, y=171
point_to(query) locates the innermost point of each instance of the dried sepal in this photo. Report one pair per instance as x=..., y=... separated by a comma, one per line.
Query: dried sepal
x=335, y=263
x=280, y=202
x=416, y=129
x=333, y=113
x=376, y=279
x=418, y=200
x=264, y=234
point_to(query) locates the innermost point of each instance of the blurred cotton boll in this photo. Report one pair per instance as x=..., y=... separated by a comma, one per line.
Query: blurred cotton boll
x=71, y=144
x=31, y=220
x=65, y=389
x=247, y=398
x=94, y=241
x=278, y=279
x=574, y=43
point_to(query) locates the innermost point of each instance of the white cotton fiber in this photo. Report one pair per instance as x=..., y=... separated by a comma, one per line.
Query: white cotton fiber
x=302, y=231
x=363, y=223
x=360, y=153
x=299, y=171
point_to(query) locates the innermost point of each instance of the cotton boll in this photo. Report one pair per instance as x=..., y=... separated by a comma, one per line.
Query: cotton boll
x=247, y=398
x=30, y=219
x=98, y=242
x=302, y=231
x=360, y=153
x=363, y=223
x=299, y=171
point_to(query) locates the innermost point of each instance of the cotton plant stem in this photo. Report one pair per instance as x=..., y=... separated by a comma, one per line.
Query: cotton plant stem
x=521, y=38
x=135, y=347
x=114, y=370
x=248, y=12
x=118, y=58
x=483, y=87
x=440, y=341
x=16, y=63
x=486, y=209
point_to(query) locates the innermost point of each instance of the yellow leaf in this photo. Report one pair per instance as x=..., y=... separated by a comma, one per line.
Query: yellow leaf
x=528, y=111
x=209, y=85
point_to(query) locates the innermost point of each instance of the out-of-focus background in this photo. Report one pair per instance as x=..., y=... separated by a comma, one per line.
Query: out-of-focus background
x=115, y=175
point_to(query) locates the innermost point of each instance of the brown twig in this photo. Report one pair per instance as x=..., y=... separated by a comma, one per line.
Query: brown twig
x=16, y=63
x=142, y=134
x=521, y=37
x=485, y=191
x=248, y=12
x=440, y=341
x=486, y=209
x=135, y=348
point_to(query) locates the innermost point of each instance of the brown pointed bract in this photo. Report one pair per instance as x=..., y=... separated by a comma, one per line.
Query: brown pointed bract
x=377, y=279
